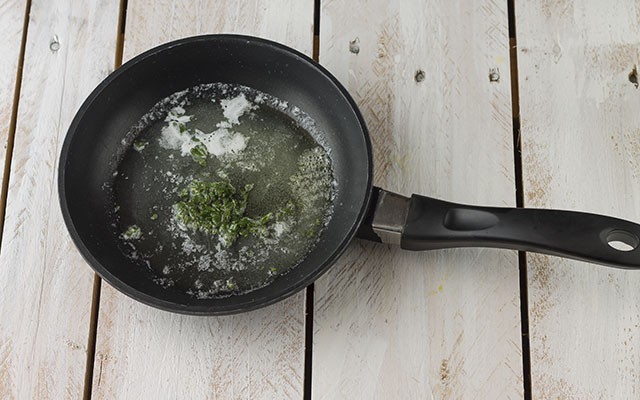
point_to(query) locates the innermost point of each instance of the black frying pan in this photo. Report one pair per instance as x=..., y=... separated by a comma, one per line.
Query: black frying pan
x=416, y=223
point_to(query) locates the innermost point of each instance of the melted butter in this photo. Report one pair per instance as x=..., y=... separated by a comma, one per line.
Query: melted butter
x=248, y=137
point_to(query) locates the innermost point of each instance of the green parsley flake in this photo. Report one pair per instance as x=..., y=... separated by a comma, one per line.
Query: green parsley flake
x=132, y=233
x=231, y=284
x=139, y=145
x=199, y=154
x=217, y=208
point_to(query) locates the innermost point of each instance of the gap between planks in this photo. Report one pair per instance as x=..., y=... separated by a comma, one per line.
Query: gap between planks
x=308, y=317
x=14, y=117
x=517, y=159
x=91, y=342
x=97, y=281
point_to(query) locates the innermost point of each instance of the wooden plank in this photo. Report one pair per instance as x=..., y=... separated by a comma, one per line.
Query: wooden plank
x=12, y=20
x=12, y=14
x=442, y=324
x=45, y=284
x=581, y=150
x=146, y=353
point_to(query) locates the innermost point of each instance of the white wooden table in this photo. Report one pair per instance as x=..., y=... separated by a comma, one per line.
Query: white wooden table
x=436, y=83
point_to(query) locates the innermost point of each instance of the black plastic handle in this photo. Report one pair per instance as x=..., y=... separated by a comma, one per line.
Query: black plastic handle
x=437, y=224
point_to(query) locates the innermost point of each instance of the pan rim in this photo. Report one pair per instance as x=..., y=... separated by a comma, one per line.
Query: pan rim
x=251, y=303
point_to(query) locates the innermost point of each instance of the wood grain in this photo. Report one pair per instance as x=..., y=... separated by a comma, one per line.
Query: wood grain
x=146, y=353
x=581, y=150
x=11, y=20
x=391, y=324
x=44, y=283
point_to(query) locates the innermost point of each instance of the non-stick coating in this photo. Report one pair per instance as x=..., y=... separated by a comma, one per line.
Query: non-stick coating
x=95, y=135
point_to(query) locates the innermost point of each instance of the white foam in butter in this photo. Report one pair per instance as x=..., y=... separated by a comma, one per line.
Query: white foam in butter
x=222, y=141
x=174, y=135
x=176, y=114
x=236, y=107
x=279, y=228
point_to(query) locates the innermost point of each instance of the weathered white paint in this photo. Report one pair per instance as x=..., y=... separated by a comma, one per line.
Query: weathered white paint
x=391, y=324
x=581, y=150
x=146, y=353
x=45, y=286
x=11, y=20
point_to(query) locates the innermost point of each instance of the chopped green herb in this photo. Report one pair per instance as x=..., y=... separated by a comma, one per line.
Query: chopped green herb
x=218, y=208
x=222, y=174
x=132, y=233
x=181, y=127
x=199, y=154
x=288, y=210
x=139, y=145
x=154, y=216
x=231, y=284
x=314, y=228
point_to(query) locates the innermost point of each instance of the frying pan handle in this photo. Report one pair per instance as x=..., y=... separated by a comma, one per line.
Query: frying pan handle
x=437, y=224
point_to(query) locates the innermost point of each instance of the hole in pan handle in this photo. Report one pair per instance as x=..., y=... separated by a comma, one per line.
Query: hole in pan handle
x=424, y=223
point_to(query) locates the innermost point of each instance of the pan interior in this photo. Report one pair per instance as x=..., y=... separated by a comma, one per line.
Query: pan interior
x=102, y=123
x=235, y=141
